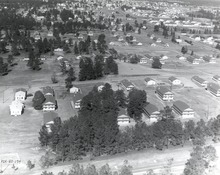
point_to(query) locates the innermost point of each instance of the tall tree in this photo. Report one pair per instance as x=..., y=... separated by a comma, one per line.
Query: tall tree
x=71, y=74
x=136, y=102
x=98, y=66
x=38, y=100
x=68, y=82
x=101, y=45
x=76, y=50
x=44, y=137
x=120, y=98
x=156, y=64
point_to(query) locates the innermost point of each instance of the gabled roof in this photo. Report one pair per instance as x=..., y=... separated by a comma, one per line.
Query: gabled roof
x=21, y=89
x=150, y=108
x=16, y=104
x=49, y=116
x=180, y=105
x=126, y=83
x=47, y=90
x=78, y=96
x=172, y=78
x=197, y=78
x=162, y=89
x=50, y=99
x=214, y=86
x=148, y=79
x=122, y=111
x=217, y=77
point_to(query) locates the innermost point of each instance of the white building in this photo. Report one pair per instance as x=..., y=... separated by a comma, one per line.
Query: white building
x=74, y=90
x=150, y=82
x=16, y=108
x=20, y=94
x=174, y=81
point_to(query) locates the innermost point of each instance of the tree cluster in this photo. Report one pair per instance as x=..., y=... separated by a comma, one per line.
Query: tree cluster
x=90, y=70
x=95, y=131
x=111, y=66
x=3, y=66
x=200, y=160
x=90, y=169
x=136, y=102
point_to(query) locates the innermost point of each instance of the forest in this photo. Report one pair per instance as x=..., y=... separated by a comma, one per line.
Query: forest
x=95, y=132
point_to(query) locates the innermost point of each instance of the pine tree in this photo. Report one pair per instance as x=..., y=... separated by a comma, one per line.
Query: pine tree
x=55, y=130
x=38, y=100
x=63, y=67
x=101, y=45
x=31, y=57
x=82, y=71
x=14, y=49
x=120, y=98
x=68, y=82
x=10, y=59
x=44, y=137
x=173, y=38
x=137, y=101
x=71, y=74
x=98, y=66
x=54, y=78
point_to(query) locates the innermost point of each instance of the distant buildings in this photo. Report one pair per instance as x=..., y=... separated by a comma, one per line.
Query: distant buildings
x=143, y=60
x=193, y=60
x=209, y=59
x=216, y=78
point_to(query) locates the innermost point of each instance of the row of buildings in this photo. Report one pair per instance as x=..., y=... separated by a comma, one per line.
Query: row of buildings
x=17, y=106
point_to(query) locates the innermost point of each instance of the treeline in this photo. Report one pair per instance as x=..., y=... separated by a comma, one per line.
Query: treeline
x=95, y=131
x=77, y=169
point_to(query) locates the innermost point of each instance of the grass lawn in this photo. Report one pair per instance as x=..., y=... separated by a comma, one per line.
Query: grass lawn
x=205, y=105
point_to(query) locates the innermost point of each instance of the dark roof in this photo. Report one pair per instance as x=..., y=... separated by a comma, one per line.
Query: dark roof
x=48, y=89
x=148, y=79
x=214, y=86
x=78, y=96
x=122, y=111
x=216, y=77
x=162, y=89
x=21, y=89
x=49, y=116
x=197, y=78
x=126, y=83
x=180, y=105
x=150, y=108
x=172, y=78
x=50, y=98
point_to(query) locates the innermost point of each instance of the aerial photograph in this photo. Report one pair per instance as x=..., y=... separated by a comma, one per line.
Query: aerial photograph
x=109, y=87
